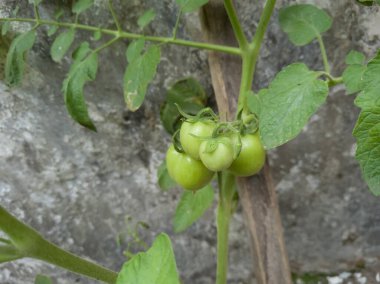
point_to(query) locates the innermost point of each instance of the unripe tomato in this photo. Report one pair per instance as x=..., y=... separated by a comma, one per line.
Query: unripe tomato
x=189, y=173
x=216, y=154
x=251, y=158
x=190, y=143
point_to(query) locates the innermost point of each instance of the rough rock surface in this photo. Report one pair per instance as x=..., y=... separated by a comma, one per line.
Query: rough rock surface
x=78, y=188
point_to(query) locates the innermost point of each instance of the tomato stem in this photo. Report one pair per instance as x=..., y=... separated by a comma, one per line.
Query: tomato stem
x=26, y=242
x=227, y=191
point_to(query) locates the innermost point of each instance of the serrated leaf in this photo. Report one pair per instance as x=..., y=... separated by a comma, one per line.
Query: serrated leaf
x=191, y=207
x=15, y=62
x=156, y=266
x=355, y=57
x=82, y=5
x=304, y=22
x=370, y=94
x=43, y=279
x=189, y=94
x=139, y=73
x=164, y=180
x=135, y=49
x=82, y=71
x=367, y=134
x=188, y=6
x=146, y=18
x=62, y=44
x=291, y=99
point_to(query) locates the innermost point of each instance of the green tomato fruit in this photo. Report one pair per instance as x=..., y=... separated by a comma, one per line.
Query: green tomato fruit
x=189, y=173
x=251, y=158
x=217, y=154
x=191, y=143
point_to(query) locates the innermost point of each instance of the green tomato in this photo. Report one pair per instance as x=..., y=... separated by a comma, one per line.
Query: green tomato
x=251, y=158
x=189, y=173
x=191, y=143
x=217, y=154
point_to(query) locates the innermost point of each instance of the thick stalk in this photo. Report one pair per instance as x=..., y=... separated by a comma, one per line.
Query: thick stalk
x=225, y=205
x=121, y=34
x=30, y=243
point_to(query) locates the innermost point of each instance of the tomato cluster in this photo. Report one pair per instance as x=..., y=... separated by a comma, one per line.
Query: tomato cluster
x=207, y=146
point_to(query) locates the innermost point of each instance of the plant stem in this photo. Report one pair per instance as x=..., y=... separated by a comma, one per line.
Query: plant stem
x=112, y=10
x=227, y=190
x=234, y=20
x=324, y=54
x=176, y=24
x=168, y=40
x=29, y=243
x=251, y=54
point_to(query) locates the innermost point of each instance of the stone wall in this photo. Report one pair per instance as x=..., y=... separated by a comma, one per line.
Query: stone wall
x=78, y=188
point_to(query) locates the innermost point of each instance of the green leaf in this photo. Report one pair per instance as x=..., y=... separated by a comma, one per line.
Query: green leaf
x=62, y=44
x=368, y=2
x=97, y=35
x=188, y=6
x=15, y=62
x=191, y=207
x=370, y=95
x=189, y=94
x=253, y=101
x=52, y=30
x=164, y=180
x=5, y=28
x=139, y=73
x=81, y=6
x=355, y=57
x=135, y=49
x=43, y=279
x=353, y=78
x=83, y=70
x=291, y=99
x=304, y=22
x=156, y=266
x=146, y=18
x=367, y=134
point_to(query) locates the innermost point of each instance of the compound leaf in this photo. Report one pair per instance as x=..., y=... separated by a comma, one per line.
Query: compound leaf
x=155, y=266
x=189, y=94
x=139, y=73
x=188, y=6
x=288, y=103
x=15, y=62
x=83, y=70
x=146, y=18
x=164, y=180
x=370, y=94
x=304, y=22
x=81, y=6
x=367, y=134
x=191, y=207
x=62, y=44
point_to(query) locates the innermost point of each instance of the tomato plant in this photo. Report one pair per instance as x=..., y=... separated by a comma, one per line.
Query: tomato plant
x=278, y=112
x=189, y=173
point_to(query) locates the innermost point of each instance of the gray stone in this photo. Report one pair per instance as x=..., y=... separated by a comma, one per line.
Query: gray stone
x=85, y=190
